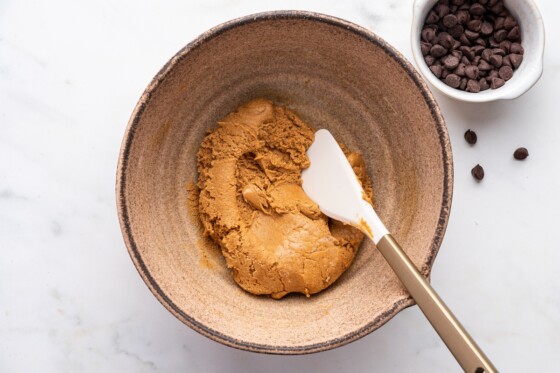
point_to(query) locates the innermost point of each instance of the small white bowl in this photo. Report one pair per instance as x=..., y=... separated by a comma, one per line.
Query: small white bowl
x=528, y=73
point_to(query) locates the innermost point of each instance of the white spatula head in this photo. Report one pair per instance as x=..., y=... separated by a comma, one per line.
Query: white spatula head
x=332, y=184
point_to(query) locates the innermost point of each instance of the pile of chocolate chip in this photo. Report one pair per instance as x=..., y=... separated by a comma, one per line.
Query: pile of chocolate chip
x=471, y=45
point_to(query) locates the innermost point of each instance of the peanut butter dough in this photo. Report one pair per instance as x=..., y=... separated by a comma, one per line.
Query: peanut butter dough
x=274, y=238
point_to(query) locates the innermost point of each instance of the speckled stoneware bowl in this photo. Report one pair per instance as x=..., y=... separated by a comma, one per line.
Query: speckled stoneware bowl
x=335, y=75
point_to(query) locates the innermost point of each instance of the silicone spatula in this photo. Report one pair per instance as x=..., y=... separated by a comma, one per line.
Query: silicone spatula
x=331, y=183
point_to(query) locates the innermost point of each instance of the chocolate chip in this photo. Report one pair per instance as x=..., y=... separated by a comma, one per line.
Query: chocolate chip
x=445, y=40
x=463, y=84
x=474, y=25
x=498, y=51
x=473, y=86
x=505, y=45
x=509, y=23
x=457, y=2
x=465, y=61
x=450, y=20
x=480, y=41
x=483, y=84
x=444, y=73
x=493, y=42
x=486, y=54
x=486, y=28
x=492, y=74
x=438, y=51
x=478, y=172
x=520, y=154
x=429, y=60
x=496, y=60
x=471, y=72
x=471, y=35
x=514, y=34
x=428, y=34
x=477, y=49
x=456, y=44
x=515, y=59
x=463, y=17
x=442, y=10
x=506, y=61
x=457, y=53
x=499, y=23
x=516, y=48
x=463, y=39
x=456, y=31
x=460, y=70
x=470, y=137
x=498, y=7
x=425, y=48
x=497, y=83
x=505, y=73
x=436, y=70
x=476, y=10
x=432, y=18
x=500, y=35
x=483, y=65
x=452, y=80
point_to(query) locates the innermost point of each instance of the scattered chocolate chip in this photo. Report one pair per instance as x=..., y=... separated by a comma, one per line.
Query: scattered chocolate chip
x=470, y=137
x=520, y=154
x=496, y=83
x=478, y=172
x=505, y=73
x=453, y=80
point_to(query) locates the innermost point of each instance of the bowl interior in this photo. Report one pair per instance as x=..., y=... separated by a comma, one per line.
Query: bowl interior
x=334, y=75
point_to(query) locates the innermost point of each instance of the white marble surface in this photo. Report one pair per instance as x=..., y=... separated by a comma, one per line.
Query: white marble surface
x=70, y=298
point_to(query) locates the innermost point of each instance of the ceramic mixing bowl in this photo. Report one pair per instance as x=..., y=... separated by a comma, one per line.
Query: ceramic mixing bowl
x=334, y=75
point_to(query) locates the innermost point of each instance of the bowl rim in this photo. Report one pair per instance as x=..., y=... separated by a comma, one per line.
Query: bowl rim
x=123, y=213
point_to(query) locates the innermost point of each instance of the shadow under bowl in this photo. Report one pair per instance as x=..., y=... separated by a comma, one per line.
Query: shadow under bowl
x=334, y=75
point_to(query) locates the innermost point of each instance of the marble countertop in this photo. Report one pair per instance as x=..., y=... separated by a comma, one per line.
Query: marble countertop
x=70, y=298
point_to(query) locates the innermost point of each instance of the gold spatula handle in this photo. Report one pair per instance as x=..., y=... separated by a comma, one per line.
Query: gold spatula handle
x=458, y=341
